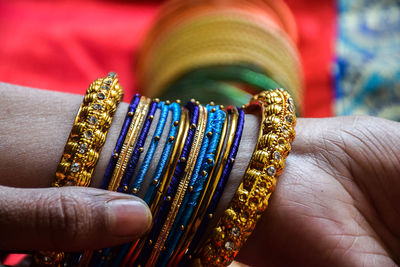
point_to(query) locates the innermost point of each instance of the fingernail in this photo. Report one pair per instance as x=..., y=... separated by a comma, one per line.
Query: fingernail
x=128, y=217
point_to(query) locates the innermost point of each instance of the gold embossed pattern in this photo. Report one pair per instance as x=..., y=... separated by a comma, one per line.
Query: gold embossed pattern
x=89, y=131
x=84, y=143
x=267, y=163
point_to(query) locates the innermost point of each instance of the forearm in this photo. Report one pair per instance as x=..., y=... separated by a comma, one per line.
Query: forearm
x=35, y=125
x=337, y=183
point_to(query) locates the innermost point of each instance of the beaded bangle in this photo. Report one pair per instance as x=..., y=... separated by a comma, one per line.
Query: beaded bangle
x=123, y=187
x=166, y=203
x=171, y=151
x=204, y=166
x=266, y=164
x=123, y=158
x=117, y=150
x=85, y=142
x=207, y=209
x=160, y=187
x=129, y=142
x=191, y=226
x=125, y=162
x=95, y=258
x=135, y=187
x=182, y=188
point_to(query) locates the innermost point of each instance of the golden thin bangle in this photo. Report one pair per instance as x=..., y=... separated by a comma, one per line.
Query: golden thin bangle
x=171, y=166
x=129, y=142
x=266, y=164
x=182, y=187
x=85, y=142
x=207, y=194
x=169, y=170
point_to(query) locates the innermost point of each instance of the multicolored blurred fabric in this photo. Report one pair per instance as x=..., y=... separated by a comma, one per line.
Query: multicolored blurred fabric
x=62, y=44
x=349, y=49
x=368, y=58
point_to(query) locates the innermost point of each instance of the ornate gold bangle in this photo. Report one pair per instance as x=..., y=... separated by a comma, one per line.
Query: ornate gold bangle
x=182, y=188
x=123, y=157
x=89, y=132
x=85, y=142
x=129, y=142
x=266, y=164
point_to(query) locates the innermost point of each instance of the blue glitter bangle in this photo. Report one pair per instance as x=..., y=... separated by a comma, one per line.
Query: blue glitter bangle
x=204, y=165
x=124, y=130
x=130, y=169
x=166, y=203
x=218, y=191
x=156, y=180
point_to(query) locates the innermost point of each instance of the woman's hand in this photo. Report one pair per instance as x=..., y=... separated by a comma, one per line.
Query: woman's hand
x=338, y=200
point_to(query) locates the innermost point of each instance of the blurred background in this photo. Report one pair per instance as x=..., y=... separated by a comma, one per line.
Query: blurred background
x=337, y=57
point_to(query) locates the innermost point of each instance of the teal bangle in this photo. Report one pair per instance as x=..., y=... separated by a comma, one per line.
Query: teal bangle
x=204, y=165
x=135, y=187
x=155, y=182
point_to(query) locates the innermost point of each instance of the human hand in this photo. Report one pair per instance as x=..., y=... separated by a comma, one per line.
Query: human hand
x=69, y=219
x=34, y=125
x=336, y=203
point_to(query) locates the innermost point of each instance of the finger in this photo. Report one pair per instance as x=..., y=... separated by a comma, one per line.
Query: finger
x=69, y=219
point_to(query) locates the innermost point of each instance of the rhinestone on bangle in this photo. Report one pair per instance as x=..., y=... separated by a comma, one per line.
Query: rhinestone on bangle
x=82, y=149
x=75, y=167
x=101, y=96
x=88, y=134
x=92, y=119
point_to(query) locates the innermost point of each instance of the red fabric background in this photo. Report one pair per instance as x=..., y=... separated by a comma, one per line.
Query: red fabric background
x=63, y=45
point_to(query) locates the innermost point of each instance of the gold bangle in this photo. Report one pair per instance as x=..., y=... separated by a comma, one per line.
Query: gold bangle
x=89, y=132
x=182, y=187
x=208, y=191
x=135, y=249
x=129, y=143
x=85, y=142
x=176, y=151
x=266, y=164
x=123, y=157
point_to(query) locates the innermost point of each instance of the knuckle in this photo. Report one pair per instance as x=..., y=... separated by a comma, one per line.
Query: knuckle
x=64, y=216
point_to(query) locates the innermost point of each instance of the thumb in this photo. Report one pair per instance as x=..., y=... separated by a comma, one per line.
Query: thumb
x=69, y=218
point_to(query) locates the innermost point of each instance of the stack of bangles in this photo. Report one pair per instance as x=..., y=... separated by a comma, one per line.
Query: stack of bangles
x=197, y=153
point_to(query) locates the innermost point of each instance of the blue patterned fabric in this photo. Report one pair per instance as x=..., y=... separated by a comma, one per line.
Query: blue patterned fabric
x=368, y=58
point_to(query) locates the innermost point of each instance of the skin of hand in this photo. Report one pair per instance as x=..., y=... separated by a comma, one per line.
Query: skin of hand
x=334, y=205
x=337, y=201
x=33, y=217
